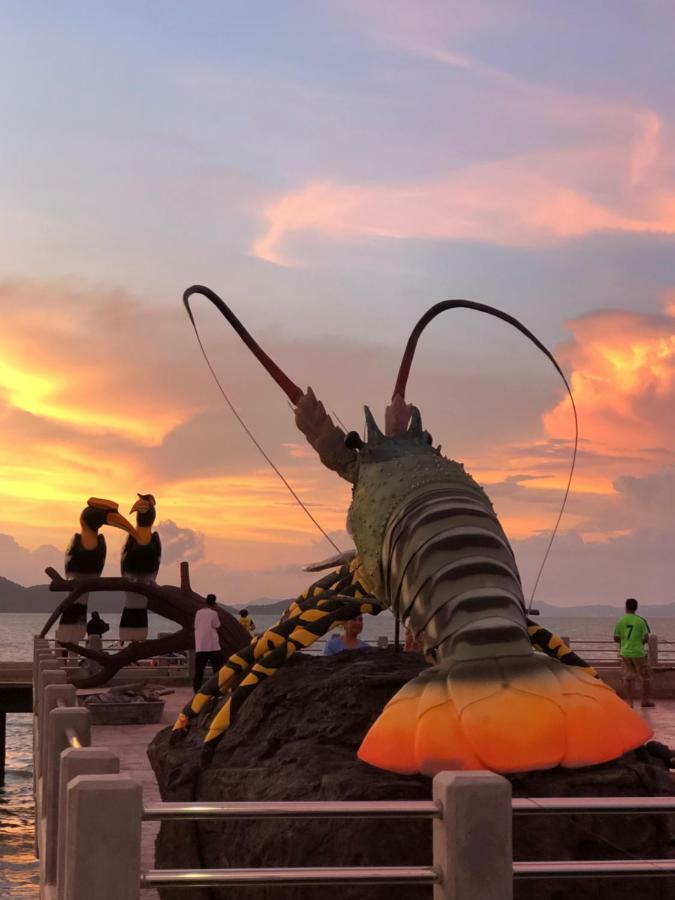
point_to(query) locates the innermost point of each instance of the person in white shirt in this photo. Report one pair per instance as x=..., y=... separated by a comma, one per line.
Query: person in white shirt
x=207, y=641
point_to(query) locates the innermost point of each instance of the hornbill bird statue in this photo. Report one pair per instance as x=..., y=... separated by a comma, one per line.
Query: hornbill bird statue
x=140, y=561
x=85, y=558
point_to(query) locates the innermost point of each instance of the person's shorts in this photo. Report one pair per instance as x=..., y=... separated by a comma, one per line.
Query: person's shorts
x=635, y=667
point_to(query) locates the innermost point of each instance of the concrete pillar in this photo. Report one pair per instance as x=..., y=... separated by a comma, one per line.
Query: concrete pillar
x=102, y=854
x=59, y=719
x=3, y=727
x=653, y=649
x=39, y=646
x=83, y=761
x=45, y=677
x=473, y=846
x=38, y=664
x=50, y=700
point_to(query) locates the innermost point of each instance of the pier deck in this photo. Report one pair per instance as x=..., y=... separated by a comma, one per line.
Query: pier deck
x=130, y=743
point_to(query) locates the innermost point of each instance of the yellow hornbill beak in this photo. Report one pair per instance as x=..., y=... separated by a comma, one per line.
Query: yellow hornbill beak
x=144, y=503
x=114, y=518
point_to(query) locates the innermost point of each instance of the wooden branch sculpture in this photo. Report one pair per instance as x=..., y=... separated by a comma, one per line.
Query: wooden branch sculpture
x=179, y=604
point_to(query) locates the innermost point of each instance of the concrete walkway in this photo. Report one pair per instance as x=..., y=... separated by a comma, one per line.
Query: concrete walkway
x=130, y=743
x=662, y=720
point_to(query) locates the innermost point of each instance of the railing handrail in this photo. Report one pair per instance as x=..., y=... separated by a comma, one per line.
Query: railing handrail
x=593, y=868
x=310, y=875
x=319, y=809
x=575, y=805
x=390, y=809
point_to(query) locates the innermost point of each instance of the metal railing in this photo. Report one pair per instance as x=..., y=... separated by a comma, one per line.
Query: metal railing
x=661, y=652
x=471, y=815
x=167, y=665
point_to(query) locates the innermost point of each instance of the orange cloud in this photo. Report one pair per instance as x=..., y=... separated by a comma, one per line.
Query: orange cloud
x=210, y=483
x=65, y=357
x=623, y=378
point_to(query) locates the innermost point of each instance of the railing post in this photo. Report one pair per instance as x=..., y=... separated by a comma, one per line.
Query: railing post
x=473, y=847
x=74, y=762
x=46, y=677
x=50, y=700
x=653, y=649
x=57, y=722
x=103, y=838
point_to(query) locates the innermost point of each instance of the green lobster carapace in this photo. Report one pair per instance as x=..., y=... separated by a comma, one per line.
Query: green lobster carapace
x=430, y=547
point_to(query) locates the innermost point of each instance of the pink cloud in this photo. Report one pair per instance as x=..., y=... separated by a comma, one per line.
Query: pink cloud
x=516, y=202
x=598, y=163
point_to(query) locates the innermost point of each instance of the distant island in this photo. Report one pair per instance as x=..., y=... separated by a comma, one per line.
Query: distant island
x=15, y=598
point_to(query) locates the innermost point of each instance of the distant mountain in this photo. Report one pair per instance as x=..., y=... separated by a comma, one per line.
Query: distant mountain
x=600, y=611
x=264, y=607
x=546, y=610
x=15, y=598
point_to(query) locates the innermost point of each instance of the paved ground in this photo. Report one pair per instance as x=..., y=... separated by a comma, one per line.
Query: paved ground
x=662, y=720
x=130, y=742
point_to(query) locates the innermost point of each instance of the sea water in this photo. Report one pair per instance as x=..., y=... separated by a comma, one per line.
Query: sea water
x=18, y=868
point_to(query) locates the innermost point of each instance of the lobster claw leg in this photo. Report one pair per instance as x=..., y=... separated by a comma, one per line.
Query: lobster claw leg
x=316, y=618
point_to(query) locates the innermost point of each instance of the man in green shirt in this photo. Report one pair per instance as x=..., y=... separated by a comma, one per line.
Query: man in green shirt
x=631, y=632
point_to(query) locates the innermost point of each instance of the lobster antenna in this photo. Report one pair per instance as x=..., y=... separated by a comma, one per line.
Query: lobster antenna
x=292, y=390
x=404, y=372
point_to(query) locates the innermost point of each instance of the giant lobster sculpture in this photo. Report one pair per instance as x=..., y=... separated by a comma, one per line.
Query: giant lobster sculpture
x=429, y=546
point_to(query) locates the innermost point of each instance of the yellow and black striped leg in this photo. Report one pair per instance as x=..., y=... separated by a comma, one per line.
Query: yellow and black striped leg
x=235, y=668
x=316, y=617
x=341, y=582
x=554, y=646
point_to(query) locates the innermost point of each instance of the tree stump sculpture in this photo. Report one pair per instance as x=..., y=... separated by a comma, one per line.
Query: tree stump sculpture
x=179, y=604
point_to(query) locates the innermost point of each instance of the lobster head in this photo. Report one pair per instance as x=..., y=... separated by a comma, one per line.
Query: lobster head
x=403, y=434
x=345, y=453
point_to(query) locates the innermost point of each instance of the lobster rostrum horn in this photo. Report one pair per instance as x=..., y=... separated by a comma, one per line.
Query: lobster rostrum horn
x=310, y=414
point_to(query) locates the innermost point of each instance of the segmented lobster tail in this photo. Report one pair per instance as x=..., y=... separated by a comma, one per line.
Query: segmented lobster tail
x=491, y=702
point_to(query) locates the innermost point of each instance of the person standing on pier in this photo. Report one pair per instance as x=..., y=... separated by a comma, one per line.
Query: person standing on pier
x=207, y=641
x=631, y=632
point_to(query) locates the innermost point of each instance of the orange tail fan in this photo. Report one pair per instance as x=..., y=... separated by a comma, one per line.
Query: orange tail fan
x=512, y=714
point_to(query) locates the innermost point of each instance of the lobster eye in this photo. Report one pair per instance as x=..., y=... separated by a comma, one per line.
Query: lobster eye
x=353, y=441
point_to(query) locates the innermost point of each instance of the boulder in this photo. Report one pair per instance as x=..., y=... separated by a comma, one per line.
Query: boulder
x=296, y=739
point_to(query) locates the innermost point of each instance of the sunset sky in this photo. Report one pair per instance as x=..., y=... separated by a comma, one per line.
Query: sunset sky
x=332, y=169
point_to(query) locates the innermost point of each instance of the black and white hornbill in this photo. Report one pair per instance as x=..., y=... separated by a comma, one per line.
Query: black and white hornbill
x=140, y=561
x=85, y=558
